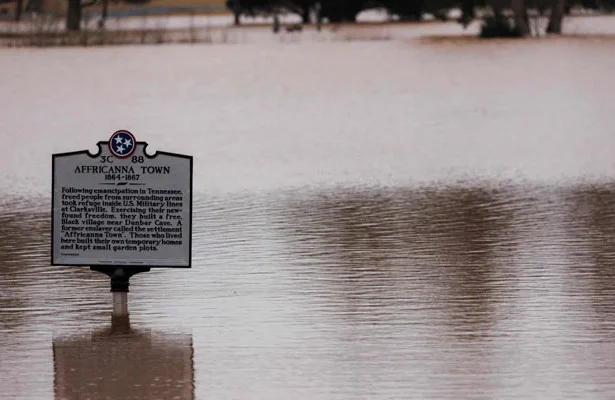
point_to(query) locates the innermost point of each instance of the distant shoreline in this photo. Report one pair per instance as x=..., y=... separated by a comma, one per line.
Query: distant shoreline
x=176, y=29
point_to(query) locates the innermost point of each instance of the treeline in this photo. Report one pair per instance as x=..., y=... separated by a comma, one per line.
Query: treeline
x=335, y=11
x=506, y=17
x=74, y=9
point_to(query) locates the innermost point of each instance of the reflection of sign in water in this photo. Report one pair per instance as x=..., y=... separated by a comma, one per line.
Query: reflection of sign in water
x=122, y=363
x=122, y=206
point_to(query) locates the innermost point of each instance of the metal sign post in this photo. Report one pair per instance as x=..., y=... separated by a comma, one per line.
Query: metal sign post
x=121, y=211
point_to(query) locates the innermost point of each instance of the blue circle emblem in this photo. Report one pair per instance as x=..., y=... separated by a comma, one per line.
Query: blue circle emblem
x=122, y=144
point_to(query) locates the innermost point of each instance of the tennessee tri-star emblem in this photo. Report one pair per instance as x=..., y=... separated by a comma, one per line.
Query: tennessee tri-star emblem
x=122, y=144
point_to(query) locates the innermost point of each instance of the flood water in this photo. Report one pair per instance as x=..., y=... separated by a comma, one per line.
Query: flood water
x=425, y=219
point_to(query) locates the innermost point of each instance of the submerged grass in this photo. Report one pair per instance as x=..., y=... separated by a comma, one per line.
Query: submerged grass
x=50, y=32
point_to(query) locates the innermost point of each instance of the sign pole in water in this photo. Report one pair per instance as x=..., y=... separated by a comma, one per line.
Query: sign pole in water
x=121, y=211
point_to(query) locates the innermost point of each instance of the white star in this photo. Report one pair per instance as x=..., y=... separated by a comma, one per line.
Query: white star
x=118, y=139
x=127, y=142
x=120, y=149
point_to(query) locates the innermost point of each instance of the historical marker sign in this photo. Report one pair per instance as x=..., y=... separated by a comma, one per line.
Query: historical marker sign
x=121, y=206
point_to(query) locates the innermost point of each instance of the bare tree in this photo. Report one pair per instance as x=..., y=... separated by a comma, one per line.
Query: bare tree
x=557, y=16
x=18, y=10
x=74, y=14
x=521, y=20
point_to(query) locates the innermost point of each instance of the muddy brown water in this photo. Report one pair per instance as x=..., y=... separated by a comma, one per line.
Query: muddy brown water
x=402, y=219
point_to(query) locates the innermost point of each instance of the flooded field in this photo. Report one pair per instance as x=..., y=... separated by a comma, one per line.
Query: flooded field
x=397, y=219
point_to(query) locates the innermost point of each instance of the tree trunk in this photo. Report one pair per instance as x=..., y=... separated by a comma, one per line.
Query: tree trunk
x=73, y=15
x=18, y=10
x=305, y=16
x=557, y=16
x=105, y=11
x=467, y=12
x=518, y=7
